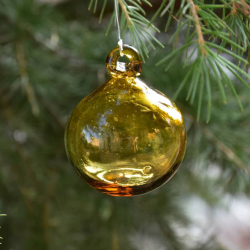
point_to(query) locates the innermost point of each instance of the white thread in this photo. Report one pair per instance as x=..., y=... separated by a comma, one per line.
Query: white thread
x=120, y=42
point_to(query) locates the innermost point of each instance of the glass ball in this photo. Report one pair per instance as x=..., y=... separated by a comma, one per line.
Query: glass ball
x=125, y=138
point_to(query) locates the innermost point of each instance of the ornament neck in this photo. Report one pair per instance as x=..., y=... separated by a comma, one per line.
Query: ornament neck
x=120, y=69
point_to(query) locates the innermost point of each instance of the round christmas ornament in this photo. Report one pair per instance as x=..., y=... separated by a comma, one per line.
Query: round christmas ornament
x=125, y=138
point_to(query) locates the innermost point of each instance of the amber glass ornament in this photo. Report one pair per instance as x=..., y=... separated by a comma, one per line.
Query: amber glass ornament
x=125, y=138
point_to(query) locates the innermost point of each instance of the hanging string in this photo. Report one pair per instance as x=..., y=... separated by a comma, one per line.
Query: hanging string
x=120, y=42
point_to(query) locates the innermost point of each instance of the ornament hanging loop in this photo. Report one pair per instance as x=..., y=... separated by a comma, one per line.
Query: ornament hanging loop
x=120, y=42
x=121, y=69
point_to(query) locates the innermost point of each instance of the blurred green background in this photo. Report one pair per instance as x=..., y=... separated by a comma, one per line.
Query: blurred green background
x=52, y=54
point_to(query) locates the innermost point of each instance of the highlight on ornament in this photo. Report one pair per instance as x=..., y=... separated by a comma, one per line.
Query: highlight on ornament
x=125, y=138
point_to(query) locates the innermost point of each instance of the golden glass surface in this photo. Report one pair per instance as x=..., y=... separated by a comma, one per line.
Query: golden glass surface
x=125, y=138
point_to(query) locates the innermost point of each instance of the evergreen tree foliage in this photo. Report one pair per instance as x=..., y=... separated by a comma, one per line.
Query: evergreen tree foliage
x=52, y=54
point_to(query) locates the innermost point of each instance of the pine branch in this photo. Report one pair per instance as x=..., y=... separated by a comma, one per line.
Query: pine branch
x=245, y=9
x=219, y=142
x=200, y=21
x=142, y=32
x=29, y=90
x=228, y=152
x=200, y=40
x=206, y=22
x=238, y=21
x=125, y=12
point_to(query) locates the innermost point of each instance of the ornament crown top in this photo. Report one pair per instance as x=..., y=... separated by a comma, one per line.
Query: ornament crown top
x=121, y=69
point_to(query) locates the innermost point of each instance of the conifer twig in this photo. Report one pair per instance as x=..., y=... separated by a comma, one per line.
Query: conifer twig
x=25, y=78
x=228, y=152
x=125, y=12
x=141, y=30
x=246, y=8
x=200, y=40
